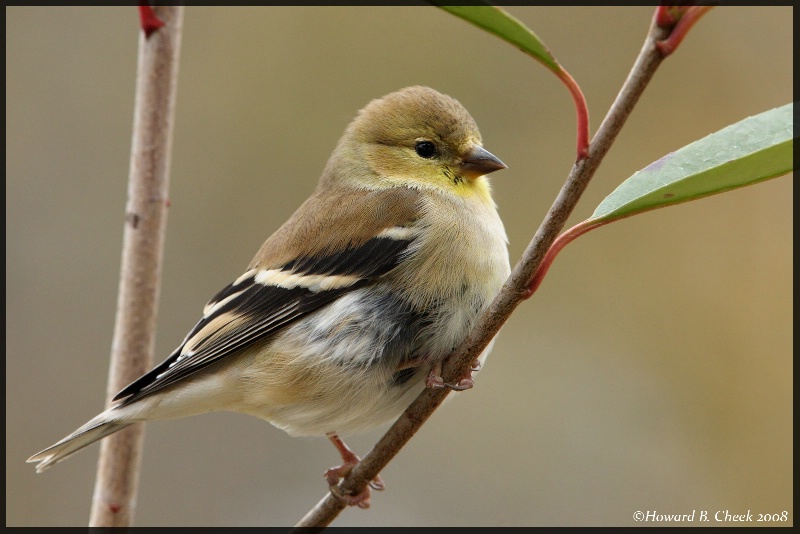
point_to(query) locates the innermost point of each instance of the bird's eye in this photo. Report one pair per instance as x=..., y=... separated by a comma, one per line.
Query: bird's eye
x=425, y=149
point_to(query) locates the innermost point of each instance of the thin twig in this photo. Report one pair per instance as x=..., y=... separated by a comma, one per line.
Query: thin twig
x=514, y=291
x=145, y=222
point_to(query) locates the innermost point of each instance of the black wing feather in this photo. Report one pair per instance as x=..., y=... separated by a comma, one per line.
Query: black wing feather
x=269, y=308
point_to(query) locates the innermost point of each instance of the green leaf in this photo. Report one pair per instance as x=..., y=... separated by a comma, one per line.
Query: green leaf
x=501, y=23
x=755, y=149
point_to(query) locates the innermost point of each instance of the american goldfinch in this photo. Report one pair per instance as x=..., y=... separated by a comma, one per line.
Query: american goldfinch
x=348, y=310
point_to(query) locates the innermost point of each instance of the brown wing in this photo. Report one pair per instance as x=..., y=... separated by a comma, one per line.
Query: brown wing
x=291, y=278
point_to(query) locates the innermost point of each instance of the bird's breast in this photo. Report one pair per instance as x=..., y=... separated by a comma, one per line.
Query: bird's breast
x=455, y=266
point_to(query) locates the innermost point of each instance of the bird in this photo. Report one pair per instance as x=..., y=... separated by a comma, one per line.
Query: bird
x=347, y=311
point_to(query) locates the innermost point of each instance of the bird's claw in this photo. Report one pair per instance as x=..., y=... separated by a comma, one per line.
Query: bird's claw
x=435, y=381
x=335, y=474
x=362, y=499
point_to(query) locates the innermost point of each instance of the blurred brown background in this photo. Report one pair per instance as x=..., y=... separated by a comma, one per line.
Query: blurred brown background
x=652, y=371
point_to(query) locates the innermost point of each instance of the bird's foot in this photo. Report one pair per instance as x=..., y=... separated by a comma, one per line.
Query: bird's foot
x=435, y=380
x=337, y=473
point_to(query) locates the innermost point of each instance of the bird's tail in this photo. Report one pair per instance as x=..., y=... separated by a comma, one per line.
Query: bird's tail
x=96, y=429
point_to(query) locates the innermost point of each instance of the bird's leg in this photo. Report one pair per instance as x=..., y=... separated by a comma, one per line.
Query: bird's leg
x=335, y=474
x=435, y=380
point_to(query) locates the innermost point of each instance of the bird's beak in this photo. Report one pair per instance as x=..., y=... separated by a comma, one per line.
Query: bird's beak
x=479, y=161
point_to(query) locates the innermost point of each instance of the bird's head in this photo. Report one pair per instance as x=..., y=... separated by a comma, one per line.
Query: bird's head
x=415, y=137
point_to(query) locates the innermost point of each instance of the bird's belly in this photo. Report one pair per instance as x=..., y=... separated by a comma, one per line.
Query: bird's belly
x=353, y=365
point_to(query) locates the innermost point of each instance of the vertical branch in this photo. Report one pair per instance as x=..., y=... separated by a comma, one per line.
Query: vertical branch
x=145, y=222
